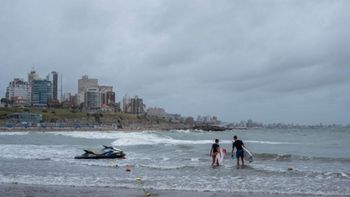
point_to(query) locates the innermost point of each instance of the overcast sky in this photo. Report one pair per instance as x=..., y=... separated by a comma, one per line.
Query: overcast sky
x=270, y=61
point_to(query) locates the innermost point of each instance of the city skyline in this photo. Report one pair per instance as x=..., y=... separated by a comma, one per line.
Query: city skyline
x=271, y=62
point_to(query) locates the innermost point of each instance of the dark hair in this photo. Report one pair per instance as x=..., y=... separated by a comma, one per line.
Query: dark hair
x=235, y=137
x=216, y=140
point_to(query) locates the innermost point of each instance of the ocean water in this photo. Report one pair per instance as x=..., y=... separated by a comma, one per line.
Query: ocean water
x=179, y=160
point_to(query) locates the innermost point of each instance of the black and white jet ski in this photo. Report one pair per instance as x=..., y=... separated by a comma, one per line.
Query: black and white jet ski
x=107, y=152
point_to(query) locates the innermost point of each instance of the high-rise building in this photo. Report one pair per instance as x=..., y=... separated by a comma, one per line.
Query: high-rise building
x=126, y=100
x=84, y=83
x=137, y=106
x=107, y=95
x=32, y=76
x=133, y=105
x=92, y=99
x=75, y=100
x=54, y=85
x=41, y=92
x=110, y=98
x=18, y=92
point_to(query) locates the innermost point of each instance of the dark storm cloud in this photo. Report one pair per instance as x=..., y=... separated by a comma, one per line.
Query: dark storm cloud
x=267, y=60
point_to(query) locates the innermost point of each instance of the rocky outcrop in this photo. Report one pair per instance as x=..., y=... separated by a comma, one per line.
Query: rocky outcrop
x=208, y=127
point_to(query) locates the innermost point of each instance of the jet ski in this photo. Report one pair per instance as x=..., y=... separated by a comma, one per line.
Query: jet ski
x=107, y=152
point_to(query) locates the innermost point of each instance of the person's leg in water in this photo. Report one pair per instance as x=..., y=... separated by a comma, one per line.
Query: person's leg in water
x=239, y=155
x=237, y=158
x=218, y=155
x=213, y=159
x=242, y=157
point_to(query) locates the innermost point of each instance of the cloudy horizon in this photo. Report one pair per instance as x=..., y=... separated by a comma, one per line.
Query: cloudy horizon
x=270, y=61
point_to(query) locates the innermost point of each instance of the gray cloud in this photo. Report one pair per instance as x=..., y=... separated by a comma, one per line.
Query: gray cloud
x=273, y=61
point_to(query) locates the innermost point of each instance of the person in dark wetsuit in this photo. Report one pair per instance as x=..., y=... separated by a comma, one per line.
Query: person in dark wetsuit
x=214, y=151
x=238, y=144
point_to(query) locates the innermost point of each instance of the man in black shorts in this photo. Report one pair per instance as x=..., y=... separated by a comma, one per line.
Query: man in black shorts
x=238, y=144
x=214, y=151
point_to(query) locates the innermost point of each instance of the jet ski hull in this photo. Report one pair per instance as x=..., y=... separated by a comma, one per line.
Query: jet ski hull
x=99, y=157
x=107, y=152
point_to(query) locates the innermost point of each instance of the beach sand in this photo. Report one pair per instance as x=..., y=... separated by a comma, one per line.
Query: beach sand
x=14, y=190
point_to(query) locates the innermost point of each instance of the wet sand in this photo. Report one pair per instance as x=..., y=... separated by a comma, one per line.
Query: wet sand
x=14, y=190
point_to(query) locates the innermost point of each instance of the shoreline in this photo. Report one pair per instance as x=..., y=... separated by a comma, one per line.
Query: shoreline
x=18, y=189
x=49, y=129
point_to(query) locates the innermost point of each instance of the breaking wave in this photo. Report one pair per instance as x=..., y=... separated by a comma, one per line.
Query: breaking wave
x=290, y=157
x=14, y=133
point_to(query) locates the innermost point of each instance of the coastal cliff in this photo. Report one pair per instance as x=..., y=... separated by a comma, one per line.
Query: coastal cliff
x=71, y=119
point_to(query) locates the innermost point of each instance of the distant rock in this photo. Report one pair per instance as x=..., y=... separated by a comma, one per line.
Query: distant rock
x=208, y=127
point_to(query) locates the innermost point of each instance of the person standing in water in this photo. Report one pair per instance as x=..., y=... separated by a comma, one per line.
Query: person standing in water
x=214, y=151
x=238, y=144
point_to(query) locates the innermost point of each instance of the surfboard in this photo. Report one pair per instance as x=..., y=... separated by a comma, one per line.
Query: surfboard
x=248, y=156
x=221, y=155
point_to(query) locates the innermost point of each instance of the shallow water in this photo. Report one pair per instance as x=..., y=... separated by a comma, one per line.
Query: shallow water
x=179, y=160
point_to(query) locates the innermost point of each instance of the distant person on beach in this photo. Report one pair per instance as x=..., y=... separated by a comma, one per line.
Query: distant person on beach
x=214, y=151
x=238, y=144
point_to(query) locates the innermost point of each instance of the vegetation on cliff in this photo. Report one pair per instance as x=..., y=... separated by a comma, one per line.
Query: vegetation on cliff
x=118, y=120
